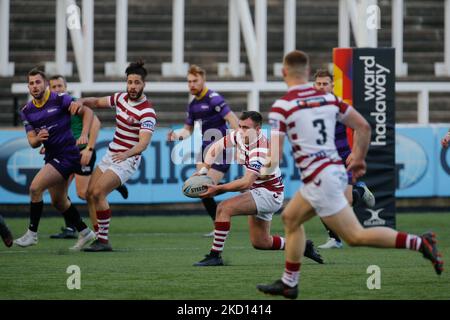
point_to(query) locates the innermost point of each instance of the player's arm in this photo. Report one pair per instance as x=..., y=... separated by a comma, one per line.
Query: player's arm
x=216, y=149
x=91, y=102
x=35, y=140
x=86, y=153
x=145, y=136
x=87, y=115
x=361, y=142
x=240, y=184
x=180, y=134
x=232, y=120
x=445, y=140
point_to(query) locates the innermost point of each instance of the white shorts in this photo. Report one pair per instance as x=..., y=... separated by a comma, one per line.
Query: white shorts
x=124, y=170
x=267, y=202
x=326, y=193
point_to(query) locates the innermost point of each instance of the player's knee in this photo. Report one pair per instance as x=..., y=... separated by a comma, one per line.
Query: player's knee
x=289, y=221
x=35, y=190
x=222, y=210
x=97, y=193
x=355, y=239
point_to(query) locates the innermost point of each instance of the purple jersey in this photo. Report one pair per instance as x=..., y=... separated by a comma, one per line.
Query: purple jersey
x=210, y=108
x=340, y=138
x=54, y=116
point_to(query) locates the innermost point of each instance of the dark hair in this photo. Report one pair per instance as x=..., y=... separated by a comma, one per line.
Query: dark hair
x=137, y=68
x=255, y=116
x=58, y=76
x=37, y=71
x=322, y=73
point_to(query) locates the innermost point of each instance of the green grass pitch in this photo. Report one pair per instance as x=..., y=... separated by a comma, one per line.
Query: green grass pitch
x=153, y=259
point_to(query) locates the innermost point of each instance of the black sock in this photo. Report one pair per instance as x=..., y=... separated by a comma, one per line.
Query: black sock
x=73, y=217
x=210, y=206
x=35, y=215
x=331, y=234
x=357, y=194
x=68, y=224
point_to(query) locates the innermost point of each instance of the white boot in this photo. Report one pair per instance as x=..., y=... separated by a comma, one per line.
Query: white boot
x=85, y=236
x=28, y=239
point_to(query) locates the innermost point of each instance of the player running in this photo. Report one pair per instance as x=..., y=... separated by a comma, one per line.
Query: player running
x=262, y=190
x=323, y=81
x=135, y=123
x=58, y=84
x=47, y=121
x=308, y=118
x=210, y=109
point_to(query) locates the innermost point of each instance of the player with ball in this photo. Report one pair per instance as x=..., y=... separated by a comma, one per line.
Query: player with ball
x=261, y=186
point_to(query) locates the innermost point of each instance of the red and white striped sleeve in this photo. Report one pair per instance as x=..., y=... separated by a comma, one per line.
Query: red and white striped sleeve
x=277, y=116
x=113, y=99
x=148, y=119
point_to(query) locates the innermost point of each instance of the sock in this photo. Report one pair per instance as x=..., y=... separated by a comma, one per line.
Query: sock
x=103, y=219
x=220, y=235
x=96, y=229
x=73, y=216
x=68, y=224
x=291, y=274
x=277, y=243
x=210, y=206
x=408, y=241
x=35, y=215
x=331, y=234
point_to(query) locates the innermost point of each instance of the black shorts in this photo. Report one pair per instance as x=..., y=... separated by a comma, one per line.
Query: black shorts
x=87, y=170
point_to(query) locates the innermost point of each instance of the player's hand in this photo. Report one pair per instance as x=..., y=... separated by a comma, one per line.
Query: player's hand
x=202, y=172
x=349, y=159
x=170, y=136
x=86, y=156
x=119, y=157
x=83, y=139
x=211, y=192
x=445, y=140
x=42, y=150
x=42, y=135
x=357, y=167
x=75, y=107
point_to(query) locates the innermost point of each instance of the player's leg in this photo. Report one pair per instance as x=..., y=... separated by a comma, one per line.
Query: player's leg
x=46, y=177
x=298, y=211
x=348, y=227
x=334, y=242
x=5, y=233
x=242, y=204
x=103, y=186
x=216, y=173
x=68, y=231
x=90, y=199
x=62, y=203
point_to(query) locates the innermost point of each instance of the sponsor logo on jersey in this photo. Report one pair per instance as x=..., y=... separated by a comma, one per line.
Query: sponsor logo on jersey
x=148, y=125
x=255, y=165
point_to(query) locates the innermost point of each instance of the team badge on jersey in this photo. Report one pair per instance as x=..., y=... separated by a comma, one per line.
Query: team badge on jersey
x=148, y=125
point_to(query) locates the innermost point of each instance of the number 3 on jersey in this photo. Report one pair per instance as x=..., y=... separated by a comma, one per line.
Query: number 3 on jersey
x=321, y=124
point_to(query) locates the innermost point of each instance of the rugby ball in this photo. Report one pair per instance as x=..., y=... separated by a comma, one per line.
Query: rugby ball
x=196, y=185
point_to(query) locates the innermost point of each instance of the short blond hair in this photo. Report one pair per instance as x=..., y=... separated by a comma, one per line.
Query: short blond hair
x=296, y=63
x=197, y=71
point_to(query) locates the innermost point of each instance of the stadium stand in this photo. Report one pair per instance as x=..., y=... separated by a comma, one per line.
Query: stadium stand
x=32, y=41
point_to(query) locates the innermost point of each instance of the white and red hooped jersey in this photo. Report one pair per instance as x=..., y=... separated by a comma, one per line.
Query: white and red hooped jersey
x=254, y=157
x=308, y=117
x=132, y=116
